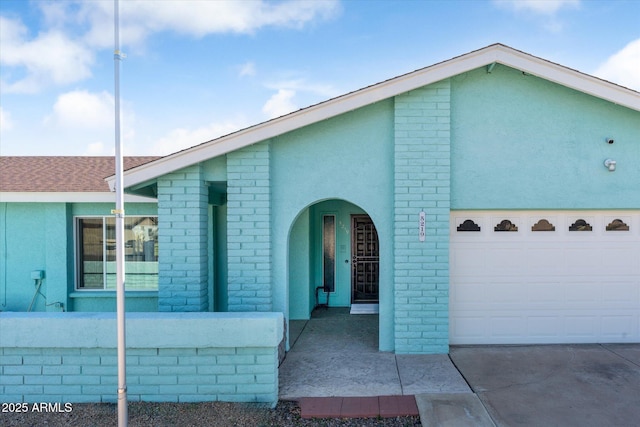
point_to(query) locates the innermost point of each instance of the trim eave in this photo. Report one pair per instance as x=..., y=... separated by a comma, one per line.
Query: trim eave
x=387, y=89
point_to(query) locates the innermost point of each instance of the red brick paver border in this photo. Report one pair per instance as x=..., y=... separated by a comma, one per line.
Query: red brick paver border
x=358, y=407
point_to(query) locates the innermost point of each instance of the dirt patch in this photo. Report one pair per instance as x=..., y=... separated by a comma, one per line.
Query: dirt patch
x=213, y=414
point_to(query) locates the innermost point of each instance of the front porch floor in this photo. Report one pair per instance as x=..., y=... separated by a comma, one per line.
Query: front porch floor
x=335, y=354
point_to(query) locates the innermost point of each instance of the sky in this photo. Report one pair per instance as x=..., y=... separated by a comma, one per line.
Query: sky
x=197, y=70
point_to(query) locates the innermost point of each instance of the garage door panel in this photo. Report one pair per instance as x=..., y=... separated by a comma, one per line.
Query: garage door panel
x=503, y=261
x=545, y=294
x=544, y=326
x=581, y=327
x=542, y=261
x=615, y=260
x=467, y=261
x=621, y=294
x=619, y=326
x=507, y=326
x=545, y=287
x=582, y=261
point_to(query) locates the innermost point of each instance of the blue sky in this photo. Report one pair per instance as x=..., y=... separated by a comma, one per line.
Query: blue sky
x=196, y=70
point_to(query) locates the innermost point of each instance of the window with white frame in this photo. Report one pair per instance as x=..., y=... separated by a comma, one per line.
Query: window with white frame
x=96, y=253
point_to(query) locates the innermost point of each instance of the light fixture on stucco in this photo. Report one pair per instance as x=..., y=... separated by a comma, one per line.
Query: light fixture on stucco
x=610, y=164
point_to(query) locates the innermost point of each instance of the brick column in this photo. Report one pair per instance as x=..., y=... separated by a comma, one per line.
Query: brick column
x=249, y=229
x=182, y=241
x=422, y=183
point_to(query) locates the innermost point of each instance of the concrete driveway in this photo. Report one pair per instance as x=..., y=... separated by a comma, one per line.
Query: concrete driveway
x=553, y=385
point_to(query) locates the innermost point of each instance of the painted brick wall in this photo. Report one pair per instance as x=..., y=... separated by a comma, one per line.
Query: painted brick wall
x=422, y=176
x=182, y=241
x=249, y=229
x=175, y=357
x=78, y=375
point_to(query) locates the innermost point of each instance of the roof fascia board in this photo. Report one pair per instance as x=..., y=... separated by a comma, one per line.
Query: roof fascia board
x=570, y=78
x=301, y=118
x=69, y=197
x=495, y=53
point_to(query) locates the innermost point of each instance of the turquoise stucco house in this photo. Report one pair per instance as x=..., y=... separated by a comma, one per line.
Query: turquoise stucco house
x=490, y=198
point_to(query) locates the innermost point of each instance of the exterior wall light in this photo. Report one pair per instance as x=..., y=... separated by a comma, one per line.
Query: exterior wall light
x=610, y=164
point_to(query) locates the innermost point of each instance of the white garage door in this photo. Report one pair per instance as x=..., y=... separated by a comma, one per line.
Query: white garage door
x=540, y=282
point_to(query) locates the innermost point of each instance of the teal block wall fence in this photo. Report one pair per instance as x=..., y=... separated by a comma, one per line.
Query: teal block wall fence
x=422, y=171
x=71, y=357
x=183, y=241
x=249, y=229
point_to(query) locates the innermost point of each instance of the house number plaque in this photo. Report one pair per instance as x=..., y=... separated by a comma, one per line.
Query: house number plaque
x=422, y=230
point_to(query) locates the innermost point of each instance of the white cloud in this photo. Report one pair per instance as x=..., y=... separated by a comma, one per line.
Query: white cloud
x=280, y=104
x=83, y=109
x=34, y=62
x=62, y=52
x=98, y=149
x=247, y=69
x=181, y=138
x=5, y=120
x=623, y=67
x=198, y=18
x=544, y=7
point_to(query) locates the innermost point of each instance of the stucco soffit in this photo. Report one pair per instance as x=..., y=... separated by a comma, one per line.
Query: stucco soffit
x=65, y=197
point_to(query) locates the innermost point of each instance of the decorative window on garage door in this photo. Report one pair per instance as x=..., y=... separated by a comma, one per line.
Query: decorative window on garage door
x=543, y=225
x=617, y=225
x=580, y=225
x=505, y=225
x=468, y=225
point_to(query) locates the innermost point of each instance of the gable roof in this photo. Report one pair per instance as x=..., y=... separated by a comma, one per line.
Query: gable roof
x=59, y=174
x=496, y=53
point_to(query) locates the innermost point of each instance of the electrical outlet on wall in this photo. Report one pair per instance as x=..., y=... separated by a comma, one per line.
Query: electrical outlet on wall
x=37, y=274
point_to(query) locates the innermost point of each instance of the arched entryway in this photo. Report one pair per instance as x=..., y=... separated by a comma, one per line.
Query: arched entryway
x=334, y=259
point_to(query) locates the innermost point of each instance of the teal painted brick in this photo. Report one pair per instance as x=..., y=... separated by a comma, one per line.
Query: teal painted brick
x=81, y=360
x=10, y=360
x=177, y=370
x=66, y=369
x=144, y=389
x=215, y=369
x=159, y=380
x=255, y=388
x=422, y=162
x=87, y=398
x=9, y=351
x=27, y=389
x=99, y=370
x=11, y=379
x=197, y=379
x=236, y=379
x=177, y=390
x=216, y=389
x=254, y=369
x=81, y=379
x=42, y=379
x=61, y=389
x=236, y=360
x=22, y=370
x=99, y=390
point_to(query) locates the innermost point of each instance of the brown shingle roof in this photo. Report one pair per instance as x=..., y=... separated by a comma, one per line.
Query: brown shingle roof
x=60, y=173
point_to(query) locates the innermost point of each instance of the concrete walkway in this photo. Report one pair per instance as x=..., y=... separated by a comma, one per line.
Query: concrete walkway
x=335, y=355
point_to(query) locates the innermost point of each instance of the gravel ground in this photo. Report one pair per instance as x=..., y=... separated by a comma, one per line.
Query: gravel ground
x=213, y=414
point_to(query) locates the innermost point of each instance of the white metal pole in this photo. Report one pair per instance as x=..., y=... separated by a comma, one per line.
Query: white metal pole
x=119, y=214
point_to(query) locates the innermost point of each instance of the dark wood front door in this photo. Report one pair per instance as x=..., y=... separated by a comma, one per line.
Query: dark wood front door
x=365, y=266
